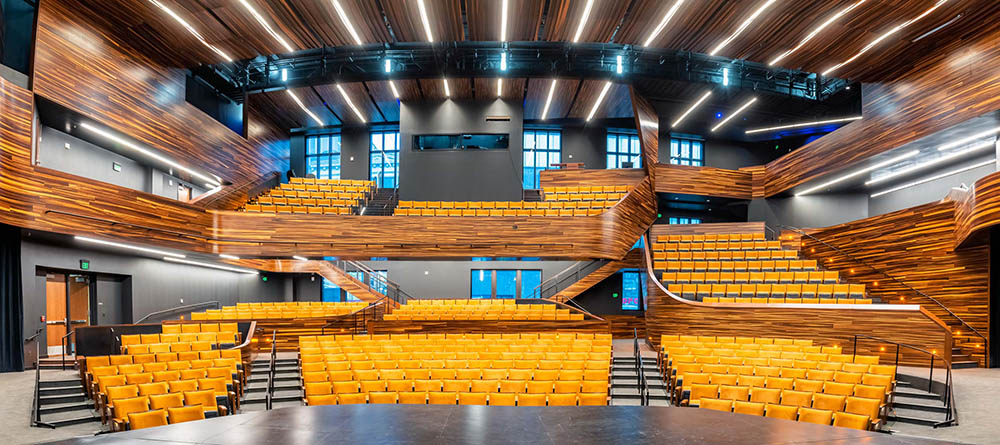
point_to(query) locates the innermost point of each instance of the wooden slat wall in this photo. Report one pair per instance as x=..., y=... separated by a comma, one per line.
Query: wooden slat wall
x=483, y=326
x=705, y=181
x=588, y=177
x=622, y=325
x=647, y=120
x=917, y=246
x=977, y=210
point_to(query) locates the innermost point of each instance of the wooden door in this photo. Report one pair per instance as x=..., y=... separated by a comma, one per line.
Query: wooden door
x=55, y=309
x=79, y=301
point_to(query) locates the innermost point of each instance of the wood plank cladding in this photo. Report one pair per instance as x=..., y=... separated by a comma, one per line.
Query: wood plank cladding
x=917, y=246
x=485, y=326
x=84, y=67
x=704, y=181
x=589, y=177
x=977, y=210
x=648, y=122
x=624, y=326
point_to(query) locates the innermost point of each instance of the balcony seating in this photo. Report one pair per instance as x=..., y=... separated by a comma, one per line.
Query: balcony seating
x=275, y=310
x=313, y=196
x=558, y=201
x=479, y=310
x=553, y=368
x=795, y=378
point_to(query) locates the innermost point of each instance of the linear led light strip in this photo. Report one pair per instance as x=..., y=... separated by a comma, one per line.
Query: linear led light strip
x=267, y=26
x=816, y=31
x=964, y=141
x=548, y=100
x=503, y=21
x=930, y=163
x=228, y=256
x=663, y=22
x=191, y=30
x=883, y=37
x=691, y=108
x=891, y=161
x=600, y=98
x=425, y=20
x=583, y=20
x=350, y=103
x=935, y=177
x=347, y=21
x=804, y=124
x=395, y=92
x=743, y=26
x=447, y=91
x=300, y=258
x=499, y=87
x=735, y=113
x=210, y=182
x=211, y=266
x=127, y=246
x=303, y=107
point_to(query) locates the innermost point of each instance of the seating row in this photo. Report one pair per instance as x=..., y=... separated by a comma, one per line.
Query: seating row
x=292, y=197
x=505, y=205
x=209, y=337
x=741, y=265
x=828, y=277
x=499, y=212
x=185, y=328
x=717, y=245
x=302, y=210
x=460, y=398
x=345, y=182
x=157, y=410
x=485, y=316
x=702, y=291
x=585, y=189
x=801, y=414
x=723, y=255
x=702, y=237
x=322, y=188
x=564, y=386
x=560, y=336
x=593, y=370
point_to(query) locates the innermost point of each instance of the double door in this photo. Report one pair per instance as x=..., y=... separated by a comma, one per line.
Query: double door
x=67, y=306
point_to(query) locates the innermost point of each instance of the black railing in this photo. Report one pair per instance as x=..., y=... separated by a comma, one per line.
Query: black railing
x=36, y=403
x=268, y=403
x=948, y=395
x=640, y=372
x=893, y=279
x=181, y=309
x=374, y=281
x=63, y=341
x=566, y=278
x=359, y=317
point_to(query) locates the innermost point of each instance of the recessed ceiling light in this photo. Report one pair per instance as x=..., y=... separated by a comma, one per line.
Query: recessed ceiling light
x=860, y=172
x=548, y=99
x=743, y=26
x=425, y=20
x=933, y=162
x=347, y=22
x=388, y=66
x=692, y=107
x=804, y=124
x=816, y=31
x=735, y=113
x=212, y=266
x=583, y=20
x=350, y=103
x=934, y=178
x=395, y=92
x=127, y=246
x=267, y=26
x=725, y=77
x=503, y=21
x=503, y=61
x=303, y=107
x=499, y=87
x=966, y=140
x=600, y=98
x=883, y=37
x=663, y=22
x=191, y=30
x=228, y=256
x=149, y=153
x=618, y=64
x=447, y=91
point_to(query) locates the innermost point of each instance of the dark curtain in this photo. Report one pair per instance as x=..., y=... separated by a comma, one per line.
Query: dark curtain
x=11, y=304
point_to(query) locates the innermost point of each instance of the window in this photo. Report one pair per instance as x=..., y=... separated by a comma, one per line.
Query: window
x=383, y=158
x=323, y=156
x=330, y=291
x=687, y=151
x=623, y=147
x=542, y=148
x=633, y=289
x=676, y=220
x=503, y=283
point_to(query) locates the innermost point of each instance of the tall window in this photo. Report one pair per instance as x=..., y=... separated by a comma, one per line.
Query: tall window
x=633, y=289
x=687, y=151
x=676, y=220
x=623, y=147
x=383, y=158
x=542, y=148
x=323, y=156
x=503, y=283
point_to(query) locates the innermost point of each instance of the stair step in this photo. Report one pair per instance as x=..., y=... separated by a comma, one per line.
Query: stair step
x=72, y=421
x=61, y=398
x=914, y=394
x=60, y=383
x=926, y=407
x=920, y=419
x=61, y=390
x=964, y=364
x=66, y=407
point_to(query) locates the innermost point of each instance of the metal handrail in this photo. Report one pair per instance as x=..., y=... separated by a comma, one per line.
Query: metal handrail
x=268, y=403
x=63, y=342
x=577, y=270
x=180, y=309
x=640, y=373
x=896, y=280
x=379, y=302
x=949, y=398
x=36, y=403
x=393, y=289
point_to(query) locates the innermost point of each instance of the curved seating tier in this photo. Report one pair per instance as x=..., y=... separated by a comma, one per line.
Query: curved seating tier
x=558, y=201
x=276, y=310
x=313, y=196
x=479, y=310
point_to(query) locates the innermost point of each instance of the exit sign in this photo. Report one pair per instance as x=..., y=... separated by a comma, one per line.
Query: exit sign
x=85, y=264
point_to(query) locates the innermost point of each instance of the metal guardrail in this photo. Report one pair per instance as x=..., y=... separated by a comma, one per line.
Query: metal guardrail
x=63, y=341
x=185, y=308
x=366, y=313
x=376, y=282
x=268, y=403
x=36, y=403
x=566, y=278
x=639, y=371
x=892, y=278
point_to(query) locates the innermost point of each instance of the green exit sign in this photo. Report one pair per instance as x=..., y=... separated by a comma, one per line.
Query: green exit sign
x=614, y=295
x=85, y=264
x=263, y=277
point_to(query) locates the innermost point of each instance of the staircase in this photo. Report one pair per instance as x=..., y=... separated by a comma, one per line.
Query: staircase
x=967, y=352
x=625, y=390
x=63, y=401
x=576, y=283
x=287, y=389
x=532, y=195
x=382, y=203
x=916, y=406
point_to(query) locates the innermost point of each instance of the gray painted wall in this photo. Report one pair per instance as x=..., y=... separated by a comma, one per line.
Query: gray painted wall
x=155, y=284
x=460, y=175
x=809, y=210
x=931, y=191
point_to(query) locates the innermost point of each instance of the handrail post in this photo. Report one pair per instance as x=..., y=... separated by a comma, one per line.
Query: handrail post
x=930, y=376
x=854, y=354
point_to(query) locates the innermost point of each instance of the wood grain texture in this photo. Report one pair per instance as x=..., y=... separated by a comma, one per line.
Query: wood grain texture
x=523, y=19
x=236, y=195
x=631, y=261
x=326, y=269
x=648, y=122
x=445, y=17
x=564, y=16
x=704, y=181
x=917, y=246
x=538, y=93
x=590, y=177
x=616, y=103
x=622, y=325
x=976, y=211
x=484, y=326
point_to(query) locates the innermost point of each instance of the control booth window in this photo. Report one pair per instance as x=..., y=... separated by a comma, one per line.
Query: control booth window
x=542, y=148
x=503, y=283
x=633, y=290
x=623, y=150
x=383, y=158
x=687, y=150
x=677, y=220
x=323, y=156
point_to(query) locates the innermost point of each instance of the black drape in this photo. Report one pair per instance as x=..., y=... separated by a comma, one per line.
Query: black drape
x=11, y=304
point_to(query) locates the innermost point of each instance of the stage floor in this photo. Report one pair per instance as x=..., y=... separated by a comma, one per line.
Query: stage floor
x=438, y=424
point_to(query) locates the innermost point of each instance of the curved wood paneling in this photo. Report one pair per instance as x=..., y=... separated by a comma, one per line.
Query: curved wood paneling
x=648, y=122
x=590, y=177
x=977, y=210
x=704, y=181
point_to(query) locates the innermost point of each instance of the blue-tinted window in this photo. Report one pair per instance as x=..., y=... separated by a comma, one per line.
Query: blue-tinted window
x=542, y=148
x=330, y=291
x=323, y=156
x=383, y=159
x=623, y=147
x=357, y=276
x=530, y=279
x=506, y=284
x=633, y=290
x=687, y=151
x=676, y=220
x=482, y=284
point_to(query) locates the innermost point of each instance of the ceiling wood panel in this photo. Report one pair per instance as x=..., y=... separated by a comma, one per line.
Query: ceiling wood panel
x=523, y=19
x=538, y=93
x=564, y=16
x=445, y=17
x=486, y=88
x=234, y=16
x=616, y=103
x=282, y=104
x=359, y=97
x=387, y=102
x=321, y=18
x=460, y=88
